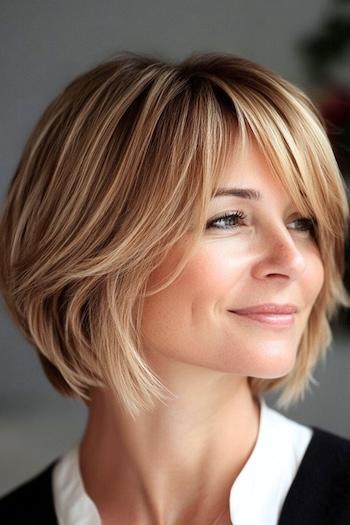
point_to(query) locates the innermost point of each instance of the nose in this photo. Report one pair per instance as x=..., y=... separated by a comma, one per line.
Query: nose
x=281, y=257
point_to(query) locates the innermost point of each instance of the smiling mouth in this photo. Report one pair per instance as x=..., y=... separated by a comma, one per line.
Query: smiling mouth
x=269, y=319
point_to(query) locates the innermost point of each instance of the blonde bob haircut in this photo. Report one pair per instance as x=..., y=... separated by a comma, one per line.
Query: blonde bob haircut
x=123, y=164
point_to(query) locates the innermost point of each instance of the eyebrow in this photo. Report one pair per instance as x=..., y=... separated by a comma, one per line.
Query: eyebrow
x=244, y=193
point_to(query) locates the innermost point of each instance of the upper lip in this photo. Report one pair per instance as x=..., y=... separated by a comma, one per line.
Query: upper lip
x=268, y=308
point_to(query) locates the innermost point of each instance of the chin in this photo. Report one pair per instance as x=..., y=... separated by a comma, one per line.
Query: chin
x=275, y=365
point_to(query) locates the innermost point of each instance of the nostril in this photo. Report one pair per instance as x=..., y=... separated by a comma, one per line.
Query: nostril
x=278, y=275
x=280, y=260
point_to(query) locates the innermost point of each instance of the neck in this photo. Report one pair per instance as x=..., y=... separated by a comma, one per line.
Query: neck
x=175, y=464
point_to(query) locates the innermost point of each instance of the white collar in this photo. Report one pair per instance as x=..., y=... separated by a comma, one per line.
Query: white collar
x=258, y=492
x=72, y=503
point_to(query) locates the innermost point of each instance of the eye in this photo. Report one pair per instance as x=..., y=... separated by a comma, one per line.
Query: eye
x=306, y=224
x=232, y=217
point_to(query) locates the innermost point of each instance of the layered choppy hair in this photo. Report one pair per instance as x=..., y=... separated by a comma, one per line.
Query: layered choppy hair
x=121, y=165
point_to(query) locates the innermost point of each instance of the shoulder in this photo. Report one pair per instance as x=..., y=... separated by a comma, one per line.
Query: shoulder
x=320, y=491
x=329, y=452
x=30, y=502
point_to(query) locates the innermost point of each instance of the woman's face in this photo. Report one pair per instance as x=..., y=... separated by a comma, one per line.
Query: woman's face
x=266, y=255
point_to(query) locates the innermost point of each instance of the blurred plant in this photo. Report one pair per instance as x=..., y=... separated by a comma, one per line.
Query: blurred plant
x=326, y=56
x=322, y=52
x=328, y=44
x=335, y=108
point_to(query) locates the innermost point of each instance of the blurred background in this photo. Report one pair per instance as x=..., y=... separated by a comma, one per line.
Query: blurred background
x=44, y=44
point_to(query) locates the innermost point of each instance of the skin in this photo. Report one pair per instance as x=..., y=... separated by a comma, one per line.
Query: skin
x=177, y=463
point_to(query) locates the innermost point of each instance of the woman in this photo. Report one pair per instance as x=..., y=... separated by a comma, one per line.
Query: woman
x=172, y=245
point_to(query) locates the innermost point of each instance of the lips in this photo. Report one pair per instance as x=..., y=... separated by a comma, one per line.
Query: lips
x=269, y=314
x=268, y=308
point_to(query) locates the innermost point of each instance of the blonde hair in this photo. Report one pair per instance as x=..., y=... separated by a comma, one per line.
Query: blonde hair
x=121, y=165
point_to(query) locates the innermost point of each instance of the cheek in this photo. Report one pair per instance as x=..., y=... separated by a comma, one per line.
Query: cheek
x=210, y=284
x=310, y=286
x=186, y=306
x=208, y=278
x=203, y=278
x=313, y=279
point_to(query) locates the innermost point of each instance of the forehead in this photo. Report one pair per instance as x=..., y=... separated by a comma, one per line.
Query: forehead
x=250, y=171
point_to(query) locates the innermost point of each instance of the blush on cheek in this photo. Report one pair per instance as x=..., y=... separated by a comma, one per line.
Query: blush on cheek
x=314, y=281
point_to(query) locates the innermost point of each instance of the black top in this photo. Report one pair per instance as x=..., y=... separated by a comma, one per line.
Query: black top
x=318, y=495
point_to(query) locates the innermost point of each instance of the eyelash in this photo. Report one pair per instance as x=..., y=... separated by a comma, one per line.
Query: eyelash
x=239, y=214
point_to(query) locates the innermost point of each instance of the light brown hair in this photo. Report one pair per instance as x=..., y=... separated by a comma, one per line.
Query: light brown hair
x=121, y=165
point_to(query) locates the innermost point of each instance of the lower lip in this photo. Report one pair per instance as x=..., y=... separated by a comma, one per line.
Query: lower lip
x=275, y=320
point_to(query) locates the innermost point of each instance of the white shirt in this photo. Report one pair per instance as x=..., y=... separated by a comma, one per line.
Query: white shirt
x=256, y=495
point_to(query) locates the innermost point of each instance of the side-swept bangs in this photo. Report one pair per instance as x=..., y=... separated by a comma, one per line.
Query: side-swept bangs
x=120, y=167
